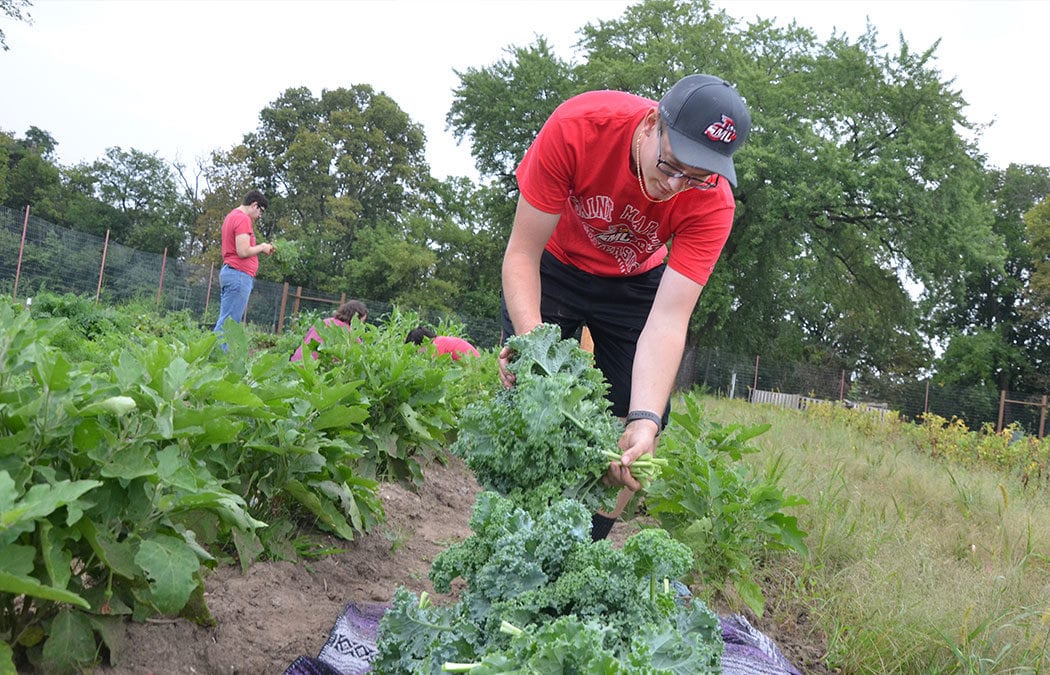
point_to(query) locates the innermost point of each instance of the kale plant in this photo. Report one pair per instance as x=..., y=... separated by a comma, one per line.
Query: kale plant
x=549, y=436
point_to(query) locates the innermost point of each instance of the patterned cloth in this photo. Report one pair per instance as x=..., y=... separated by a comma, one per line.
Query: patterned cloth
x=351, y=647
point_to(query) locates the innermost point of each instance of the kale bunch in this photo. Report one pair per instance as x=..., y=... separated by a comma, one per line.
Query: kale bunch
x=545, y=574
x=549, y=436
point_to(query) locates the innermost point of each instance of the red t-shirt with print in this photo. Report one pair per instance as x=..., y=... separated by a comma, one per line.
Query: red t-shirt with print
x=579, y=166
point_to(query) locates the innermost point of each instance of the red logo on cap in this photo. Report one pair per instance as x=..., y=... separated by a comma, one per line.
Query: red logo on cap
x=724, y=131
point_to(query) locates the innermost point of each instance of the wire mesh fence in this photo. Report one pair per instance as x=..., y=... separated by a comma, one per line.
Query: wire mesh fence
x=36, y=255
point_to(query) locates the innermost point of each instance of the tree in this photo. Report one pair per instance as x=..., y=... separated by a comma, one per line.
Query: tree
x=142, y=187
x=332, y=166
x=991, y=301
x=17, y=10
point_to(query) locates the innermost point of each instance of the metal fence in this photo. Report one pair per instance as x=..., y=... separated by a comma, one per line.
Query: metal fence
x=36, y=255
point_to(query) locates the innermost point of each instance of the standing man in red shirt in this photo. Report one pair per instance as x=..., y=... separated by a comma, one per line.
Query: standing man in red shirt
x=611, y=179
x=240, y=258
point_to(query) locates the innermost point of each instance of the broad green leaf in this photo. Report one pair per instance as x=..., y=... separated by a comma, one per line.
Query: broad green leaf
x=113, y=632
x=53, y=374
x=71, y=643
x=129, y=462
x=114, y=405
x=228, y=505
x=340, y=416
x=170, y=565
x=751, y=593
x=18, y=559
x=57, y=559
x=38, y=502
x=25, y=585
x=236, y=393
x=325, y=510
x=174, y=470
x=206, y=427
x=119, y=556
x=7, y=659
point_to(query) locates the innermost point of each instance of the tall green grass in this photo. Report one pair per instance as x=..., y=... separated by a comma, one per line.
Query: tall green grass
x=915, y=564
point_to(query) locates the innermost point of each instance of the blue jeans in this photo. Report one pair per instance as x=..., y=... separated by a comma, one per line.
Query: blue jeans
x=236, y=287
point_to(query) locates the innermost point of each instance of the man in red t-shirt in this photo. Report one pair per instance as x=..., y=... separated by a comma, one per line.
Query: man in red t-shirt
x=611, y=179
x=240, y=258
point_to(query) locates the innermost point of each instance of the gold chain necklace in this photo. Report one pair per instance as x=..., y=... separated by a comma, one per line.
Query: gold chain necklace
x=638, y=172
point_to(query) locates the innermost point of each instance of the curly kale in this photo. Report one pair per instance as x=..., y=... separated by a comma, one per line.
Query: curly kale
x=510, y=552
x=550, y=435
x=418, y=637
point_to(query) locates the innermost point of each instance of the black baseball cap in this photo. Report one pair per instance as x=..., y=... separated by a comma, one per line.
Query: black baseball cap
x=707, y=122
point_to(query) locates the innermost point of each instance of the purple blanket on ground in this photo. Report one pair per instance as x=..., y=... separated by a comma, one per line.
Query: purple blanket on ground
x=351, y=646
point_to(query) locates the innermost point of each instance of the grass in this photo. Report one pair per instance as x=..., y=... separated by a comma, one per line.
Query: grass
x=915, y=565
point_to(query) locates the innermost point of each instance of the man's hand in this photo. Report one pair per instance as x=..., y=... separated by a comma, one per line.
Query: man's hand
x=638, y=438
x=505, y=376
x=269, y=249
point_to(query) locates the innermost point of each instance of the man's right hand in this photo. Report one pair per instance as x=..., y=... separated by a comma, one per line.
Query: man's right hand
x=505, y=376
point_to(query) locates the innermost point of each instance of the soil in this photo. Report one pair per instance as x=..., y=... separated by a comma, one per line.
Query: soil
x=274, y=612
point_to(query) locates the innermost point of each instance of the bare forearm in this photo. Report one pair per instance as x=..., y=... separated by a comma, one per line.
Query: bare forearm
x=656, y=363
x=521, y=290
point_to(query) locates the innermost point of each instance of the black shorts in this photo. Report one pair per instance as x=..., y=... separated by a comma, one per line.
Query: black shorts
x=614, y=309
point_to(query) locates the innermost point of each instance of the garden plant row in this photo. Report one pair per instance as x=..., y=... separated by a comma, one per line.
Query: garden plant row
x=125, y=476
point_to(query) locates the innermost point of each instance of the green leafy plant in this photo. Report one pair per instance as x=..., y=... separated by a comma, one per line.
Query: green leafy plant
x=549, y=436
x=707, y=500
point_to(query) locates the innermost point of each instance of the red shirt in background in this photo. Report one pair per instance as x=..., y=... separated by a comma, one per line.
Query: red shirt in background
x=238, y=222
x=454, y=346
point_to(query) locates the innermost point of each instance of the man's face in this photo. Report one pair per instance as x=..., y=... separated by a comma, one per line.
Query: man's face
x=256, y=212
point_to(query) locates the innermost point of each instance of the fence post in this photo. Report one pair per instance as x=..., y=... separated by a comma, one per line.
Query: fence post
x=160, y=285
x=284, y=303
x=21, y=247
x=1002, y=410
x=207, y=295
x=295, y=305
x=842, y=385
x=926, y=402
x=1042, y=418
x=755, y=385
x=102, y=267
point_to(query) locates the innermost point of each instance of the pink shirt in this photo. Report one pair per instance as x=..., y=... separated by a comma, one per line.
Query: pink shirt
x=579, y=166
x=454, y=346
x=313, y=336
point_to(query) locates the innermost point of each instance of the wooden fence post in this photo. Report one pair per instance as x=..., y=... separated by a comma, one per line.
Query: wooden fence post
x=1042, y=419
x=160, y=284
x=102, y=267
x=21, y=247
x=284, y=303
x=207, y=296
x=755, y=385
x=1002, y=411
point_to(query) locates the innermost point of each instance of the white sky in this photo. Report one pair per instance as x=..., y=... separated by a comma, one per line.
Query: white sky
x=183, y=78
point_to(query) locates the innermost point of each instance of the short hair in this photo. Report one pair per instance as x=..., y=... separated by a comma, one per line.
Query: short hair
x=255, y=197
x=417, y=334
x=349, y=309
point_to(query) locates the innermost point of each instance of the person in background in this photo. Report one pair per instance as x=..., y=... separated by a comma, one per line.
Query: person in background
x=610, y=179
x=240, y=258
x=444, y=344
x=346, y=313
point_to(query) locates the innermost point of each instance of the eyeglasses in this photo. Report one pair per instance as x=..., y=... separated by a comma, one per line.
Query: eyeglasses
x=708, y=182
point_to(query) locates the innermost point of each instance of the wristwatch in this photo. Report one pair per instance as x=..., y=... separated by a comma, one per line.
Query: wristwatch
x=635, y=415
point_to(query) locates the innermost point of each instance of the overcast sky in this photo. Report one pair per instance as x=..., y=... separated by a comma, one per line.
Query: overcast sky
x=183, y=78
